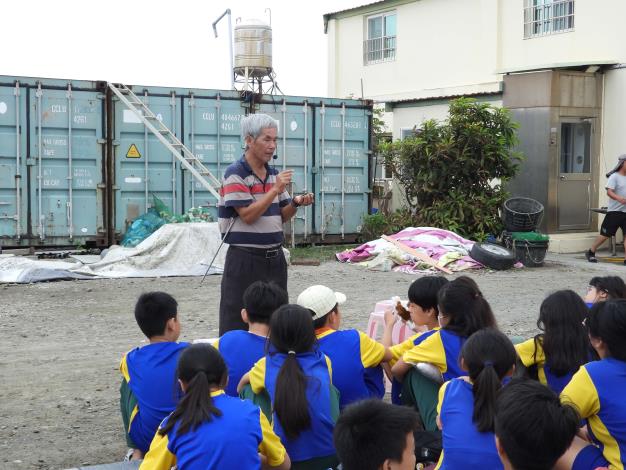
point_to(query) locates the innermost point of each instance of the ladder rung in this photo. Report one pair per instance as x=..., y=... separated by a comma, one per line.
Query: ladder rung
x=154, y=118
x=176, y=144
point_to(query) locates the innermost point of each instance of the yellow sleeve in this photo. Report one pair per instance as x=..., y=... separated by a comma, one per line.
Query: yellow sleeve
x=124, y=369
x=216, y=344
x=372, y=352
x=159, y=456
x=397, y=350
x=257, y=376
x=270, y=446
x=330, y=367
x=430, y=350
x=582, y=393
x=442, y=392
x=526, y=352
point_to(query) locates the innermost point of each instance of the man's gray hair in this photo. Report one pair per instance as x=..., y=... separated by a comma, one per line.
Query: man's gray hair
x=253, y=124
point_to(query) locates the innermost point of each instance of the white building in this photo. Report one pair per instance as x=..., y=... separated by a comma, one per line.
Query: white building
x=559, y=65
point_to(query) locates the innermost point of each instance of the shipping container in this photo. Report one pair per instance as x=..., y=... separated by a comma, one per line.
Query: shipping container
x=77, y=167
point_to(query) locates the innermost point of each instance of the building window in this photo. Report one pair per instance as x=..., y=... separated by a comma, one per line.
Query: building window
x=543, y=17
x=380, y=40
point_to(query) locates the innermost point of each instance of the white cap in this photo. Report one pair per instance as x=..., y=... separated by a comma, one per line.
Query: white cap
x=320, y=300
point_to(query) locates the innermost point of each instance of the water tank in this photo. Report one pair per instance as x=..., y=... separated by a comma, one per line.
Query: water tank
x=253, y=48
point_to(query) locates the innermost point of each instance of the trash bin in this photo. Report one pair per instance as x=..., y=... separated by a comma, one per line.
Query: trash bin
x=530, y=248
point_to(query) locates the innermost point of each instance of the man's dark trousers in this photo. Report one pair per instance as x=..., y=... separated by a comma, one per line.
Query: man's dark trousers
x=244, y=266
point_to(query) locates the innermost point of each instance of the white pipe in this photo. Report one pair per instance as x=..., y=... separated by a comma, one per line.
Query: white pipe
x=42, y=235
x=306, y=164
x=218, y=113
x=70, y=170
x=145, y=158
x=323, y=156
x=173, y=113
x=343, y=168
x=192, y=110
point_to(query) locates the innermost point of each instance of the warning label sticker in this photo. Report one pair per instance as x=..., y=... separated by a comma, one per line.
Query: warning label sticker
x=133, y=152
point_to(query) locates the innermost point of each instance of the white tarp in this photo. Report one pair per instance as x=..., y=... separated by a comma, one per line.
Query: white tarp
x=173, y=250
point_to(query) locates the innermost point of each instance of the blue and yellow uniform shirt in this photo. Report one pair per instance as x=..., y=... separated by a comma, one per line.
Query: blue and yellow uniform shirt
x=397, y=351
x=442, y=348
x=150, y=372
x=351, y=353
x=240, y=350
x=232, y=440
x=531, y=353
x=463, y=445
x=317, y=441
x=598, y=390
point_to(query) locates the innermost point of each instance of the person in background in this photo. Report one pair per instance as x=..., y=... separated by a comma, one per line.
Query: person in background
x=467, y=404
x=374, y=435
x=149, y=391
x=616, y=211
x=605, y=288
x=209, y=429
x=554, y=355
x=533, y=428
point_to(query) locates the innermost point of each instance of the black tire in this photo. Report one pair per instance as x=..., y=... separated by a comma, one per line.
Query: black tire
x=493, y=256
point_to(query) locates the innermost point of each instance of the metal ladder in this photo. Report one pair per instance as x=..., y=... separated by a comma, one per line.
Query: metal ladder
x=185, y=156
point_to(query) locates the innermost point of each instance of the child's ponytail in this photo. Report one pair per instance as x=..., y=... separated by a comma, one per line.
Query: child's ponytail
x=200, y=367
x=291, y=333
x=488, y=356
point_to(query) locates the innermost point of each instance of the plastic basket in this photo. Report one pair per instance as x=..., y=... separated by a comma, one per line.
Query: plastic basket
x=529, y=253
x=522, y=214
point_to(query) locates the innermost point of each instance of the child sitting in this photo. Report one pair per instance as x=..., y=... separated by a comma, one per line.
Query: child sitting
x=533, y=429
x=604, y=288
x=241, y=349
x=462, y=312
x=297, y=377
x=149, y=390
x=350, y=351
x=563, y=346
x=374, y=435
x=209, y=429
x=423, y=310
x=597, y=392
x=466, y=406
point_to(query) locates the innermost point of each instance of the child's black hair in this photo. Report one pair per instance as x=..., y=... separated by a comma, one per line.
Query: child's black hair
x=613, y=286
x=607, y=321
x=371, y=431
x=532, y=425
x=467, y=310
x=200, y=367
x=152, y=312
x=423, y=291
x=320, y=322
x=488, y=355
x=261, y=299
x=564, y=339
x=291, y=333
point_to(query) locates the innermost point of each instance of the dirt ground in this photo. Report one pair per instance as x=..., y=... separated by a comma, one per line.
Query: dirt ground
x=61, y=342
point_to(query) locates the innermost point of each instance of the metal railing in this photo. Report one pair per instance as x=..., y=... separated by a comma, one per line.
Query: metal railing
x=543, y=17
x=380, y=49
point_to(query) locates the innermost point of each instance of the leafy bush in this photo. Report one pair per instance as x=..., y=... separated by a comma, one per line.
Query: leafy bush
x=378, y=224
x=453, y=172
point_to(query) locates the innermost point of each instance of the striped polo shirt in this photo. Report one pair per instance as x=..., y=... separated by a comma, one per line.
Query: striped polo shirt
x=240, y=188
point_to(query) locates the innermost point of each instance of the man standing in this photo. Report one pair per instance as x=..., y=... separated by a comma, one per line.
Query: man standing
x=616, y=212
x=254, y=204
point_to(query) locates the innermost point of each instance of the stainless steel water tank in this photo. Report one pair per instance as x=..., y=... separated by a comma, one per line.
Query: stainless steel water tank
x=253, y=48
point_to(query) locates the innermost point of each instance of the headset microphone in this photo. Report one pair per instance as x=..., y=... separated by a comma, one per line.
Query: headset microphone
x=275, y=157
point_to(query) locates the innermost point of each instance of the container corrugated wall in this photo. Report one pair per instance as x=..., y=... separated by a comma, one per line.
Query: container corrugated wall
x=54, y=164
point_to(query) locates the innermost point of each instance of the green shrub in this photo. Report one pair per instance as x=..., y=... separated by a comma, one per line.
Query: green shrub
x=378, y=224
x=453, y=172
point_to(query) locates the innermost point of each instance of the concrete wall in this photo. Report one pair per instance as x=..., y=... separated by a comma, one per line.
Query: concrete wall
x=429, y=52
x=598, y=36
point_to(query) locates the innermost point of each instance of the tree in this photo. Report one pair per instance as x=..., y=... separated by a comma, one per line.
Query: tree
x=453, y=171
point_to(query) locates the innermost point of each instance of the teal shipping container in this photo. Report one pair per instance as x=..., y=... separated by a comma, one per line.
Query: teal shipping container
x=77, y=167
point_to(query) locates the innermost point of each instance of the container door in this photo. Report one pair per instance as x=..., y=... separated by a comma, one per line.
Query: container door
x=66, y=165
x=342, y=171
x=13, y=222
x=575, y=176
x=211, y=123
x=143, y=165
x=294, y=151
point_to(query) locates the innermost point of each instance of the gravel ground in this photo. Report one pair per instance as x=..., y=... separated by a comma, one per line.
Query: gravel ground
x=62, y=342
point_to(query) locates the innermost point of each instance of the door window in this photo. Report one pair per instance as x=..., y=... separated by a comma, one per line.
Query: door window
x=575, y=147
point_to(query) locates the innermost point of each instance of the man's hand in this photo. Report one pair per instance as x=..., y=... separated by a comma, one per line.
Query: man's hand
x=304, y=199
x=282, y=180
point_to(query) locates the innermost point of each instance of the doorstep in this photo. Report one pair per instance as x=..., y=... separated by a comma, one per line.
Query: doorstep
x=576, y=242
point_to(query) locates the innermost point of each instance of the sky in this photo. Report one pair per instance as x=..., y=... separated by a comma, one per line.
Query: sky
x=158, y=42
